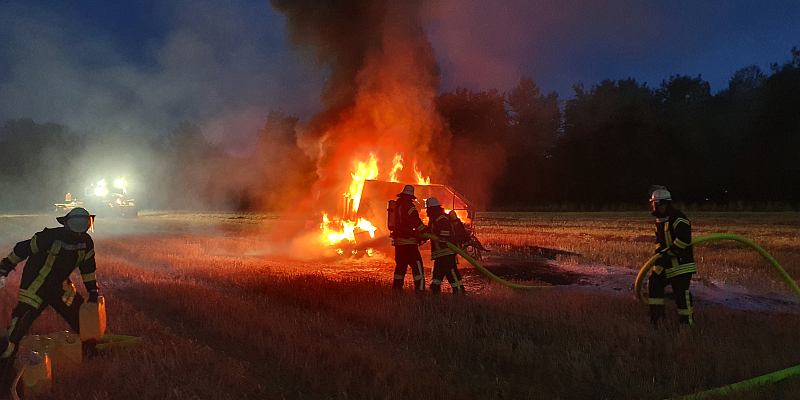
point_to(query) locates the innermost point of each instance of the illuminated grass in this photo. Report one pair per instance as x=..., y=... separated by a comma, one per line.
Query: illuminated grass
x=223, y=321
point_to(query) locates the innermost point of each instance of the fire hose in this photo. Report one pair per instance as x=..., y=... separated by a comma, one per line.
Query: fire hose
x=480, y=267
x=750, y=383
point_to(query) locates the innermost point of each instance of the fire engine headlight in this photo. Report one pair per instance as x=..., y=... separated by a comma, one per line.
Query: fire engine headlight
x=119, y=183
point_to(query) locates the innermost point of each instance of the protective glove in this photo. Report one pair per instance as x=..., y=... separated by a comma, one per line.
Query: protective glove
x=92, y=297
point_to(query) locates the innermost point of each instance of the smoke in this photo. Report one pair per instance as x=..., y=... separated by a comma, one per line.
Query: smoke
x=380, y=97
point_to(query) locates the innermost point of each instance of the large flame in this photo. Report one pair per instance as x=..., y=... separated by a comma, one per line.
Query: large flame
x=337, y=230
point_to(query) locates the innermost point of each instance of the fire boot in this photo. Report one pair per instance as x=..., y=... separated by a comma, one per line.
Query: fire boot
x=436, y=286
x=657, y=314
x=397, y=285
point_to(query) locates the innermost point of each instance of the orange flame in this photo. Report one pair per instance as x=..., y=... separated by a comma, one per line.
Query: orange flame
x=421, y=180
x=363, y=171
x=397, y=166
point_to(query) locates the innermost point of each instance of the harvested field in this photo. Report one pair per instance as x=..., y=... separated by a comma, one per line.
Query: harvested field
x=226, y=311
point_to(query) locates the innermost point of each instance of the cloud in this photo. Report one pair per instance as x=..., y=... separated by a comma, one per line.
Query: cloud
x=215, y=61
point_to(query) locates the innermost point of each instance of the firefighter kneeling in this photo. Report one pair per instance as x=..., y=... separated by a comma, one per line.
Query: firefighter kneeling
x=444, y=258
x=52, y=256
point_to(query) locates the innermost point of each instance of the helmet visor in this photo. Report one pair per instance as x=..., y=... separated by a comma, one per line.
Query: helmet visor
x=79, y=224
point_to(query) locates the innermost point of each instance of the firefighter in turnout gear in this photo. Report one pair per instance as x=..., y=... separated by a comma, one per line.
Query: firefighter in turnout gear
x=444, y=258
x=405, y=239
x=52, y=256
x=676, y=264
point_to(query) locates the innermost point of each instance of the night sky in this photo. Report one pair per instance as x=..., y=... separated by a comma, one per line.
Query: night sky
x=144, y=65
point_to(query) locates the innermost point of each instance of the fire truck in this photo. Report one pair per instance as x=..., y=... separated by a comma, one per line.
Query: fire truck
x=104, y=197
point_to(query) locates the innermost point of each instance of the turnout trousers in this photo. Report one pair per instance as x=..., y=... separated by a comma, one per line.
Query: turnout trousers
x=446, y=266
x=683, y=298
x=66, y=303
x=408, y=256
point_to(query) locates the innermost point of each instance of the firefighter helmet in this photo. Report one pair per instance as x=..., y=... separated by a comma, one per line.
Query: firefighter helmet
x=661, y=194
x=408, y=190
x=432, y=202
x=77, y=220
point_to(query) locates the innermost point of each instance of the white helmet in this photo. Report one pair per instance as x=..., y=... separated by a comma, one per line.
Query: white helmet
x=661, y=194
x=408, y=190
x=432, y=202
x=77, y=220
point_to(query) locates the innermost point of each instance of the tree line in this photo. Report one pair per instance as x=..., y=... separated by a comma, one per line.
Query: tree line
x=517, y=150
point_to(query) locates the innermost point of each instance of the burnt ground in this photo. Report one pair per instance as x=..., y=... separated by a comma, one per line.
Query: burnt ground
x=538, y=266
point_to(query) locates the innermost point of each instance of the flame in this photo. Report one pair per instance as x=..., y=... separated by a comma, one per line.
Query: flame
x=421, y=180
x=363, y=171
x=397, y=166
x=339, y=230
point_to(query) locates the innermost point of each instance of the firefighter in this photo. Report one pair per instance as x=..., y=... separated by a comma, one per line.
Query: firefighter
x=406, y=241
x=676, y=264
x=52, y=256
x=444, y=258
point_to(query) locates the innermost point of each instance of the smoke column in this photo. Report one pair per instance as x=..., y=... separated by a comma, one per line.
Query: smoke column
x=381, y=92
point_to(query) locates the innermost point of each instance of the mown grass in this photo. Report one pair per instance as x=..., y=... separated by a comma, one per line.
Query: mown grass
x=218, y=324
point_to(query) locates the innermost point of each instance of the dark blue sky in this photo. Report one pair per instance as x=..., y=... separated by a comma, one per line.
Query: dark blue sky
x=143, y=65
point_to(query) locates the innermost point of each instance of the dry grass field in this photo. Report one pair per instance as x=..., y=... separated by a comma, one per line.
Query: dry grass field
x=225, y=312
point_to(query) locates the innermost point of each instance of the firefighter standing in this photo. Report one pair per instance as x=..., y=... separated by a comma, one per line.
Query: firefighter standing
x=444, y=258
x=405, y=239
x=676, y=264
x=52, y=256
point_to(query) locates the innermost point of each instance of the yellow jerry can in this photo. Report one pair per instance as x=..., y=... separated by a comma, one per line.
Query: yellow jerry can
x=93, y=320
x=37, y=378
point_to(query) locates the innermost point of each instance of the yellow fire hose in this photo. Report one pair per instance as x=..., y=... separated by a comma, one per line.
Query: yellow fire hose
x=709, y=238
x=480, y=267
x=750, y=383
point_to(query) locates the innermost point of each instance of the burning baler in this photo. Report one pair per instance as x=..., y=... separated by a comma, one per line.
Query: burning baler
x=373, y=208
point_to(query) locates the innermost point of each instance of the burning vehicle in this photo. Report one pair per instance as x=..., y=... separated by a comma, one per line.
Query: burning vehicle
x=360, y=223
x=105, y=198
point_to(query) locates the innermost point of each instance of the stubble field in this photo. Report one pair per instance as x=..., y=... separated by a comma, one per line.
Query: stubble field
x=226, y=310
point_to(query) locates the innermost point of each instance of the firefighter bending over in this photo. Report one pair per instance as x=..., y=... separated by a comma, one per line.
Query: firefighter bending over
x=52, y=256
x=444, y=258
x=405, y=239
x=676, y=264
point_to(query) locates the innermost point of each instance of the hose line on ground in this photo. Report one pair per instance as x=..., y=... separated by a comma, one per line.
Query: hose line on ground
x=750, y=383
x=709, y=238
x=480, y=267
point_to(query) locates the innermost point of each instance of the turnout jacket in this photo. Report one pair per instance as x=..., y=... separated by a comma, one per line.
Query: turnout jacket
x=440, y=225
x=52, y=256
x=409, y=225
x=674, y=243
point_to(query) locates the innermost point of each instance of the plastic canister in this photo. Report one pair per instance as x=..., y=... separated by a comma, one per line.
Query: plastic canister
x=37, y=378
x=36, y=343
x=93, y=320
x=65, y=350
